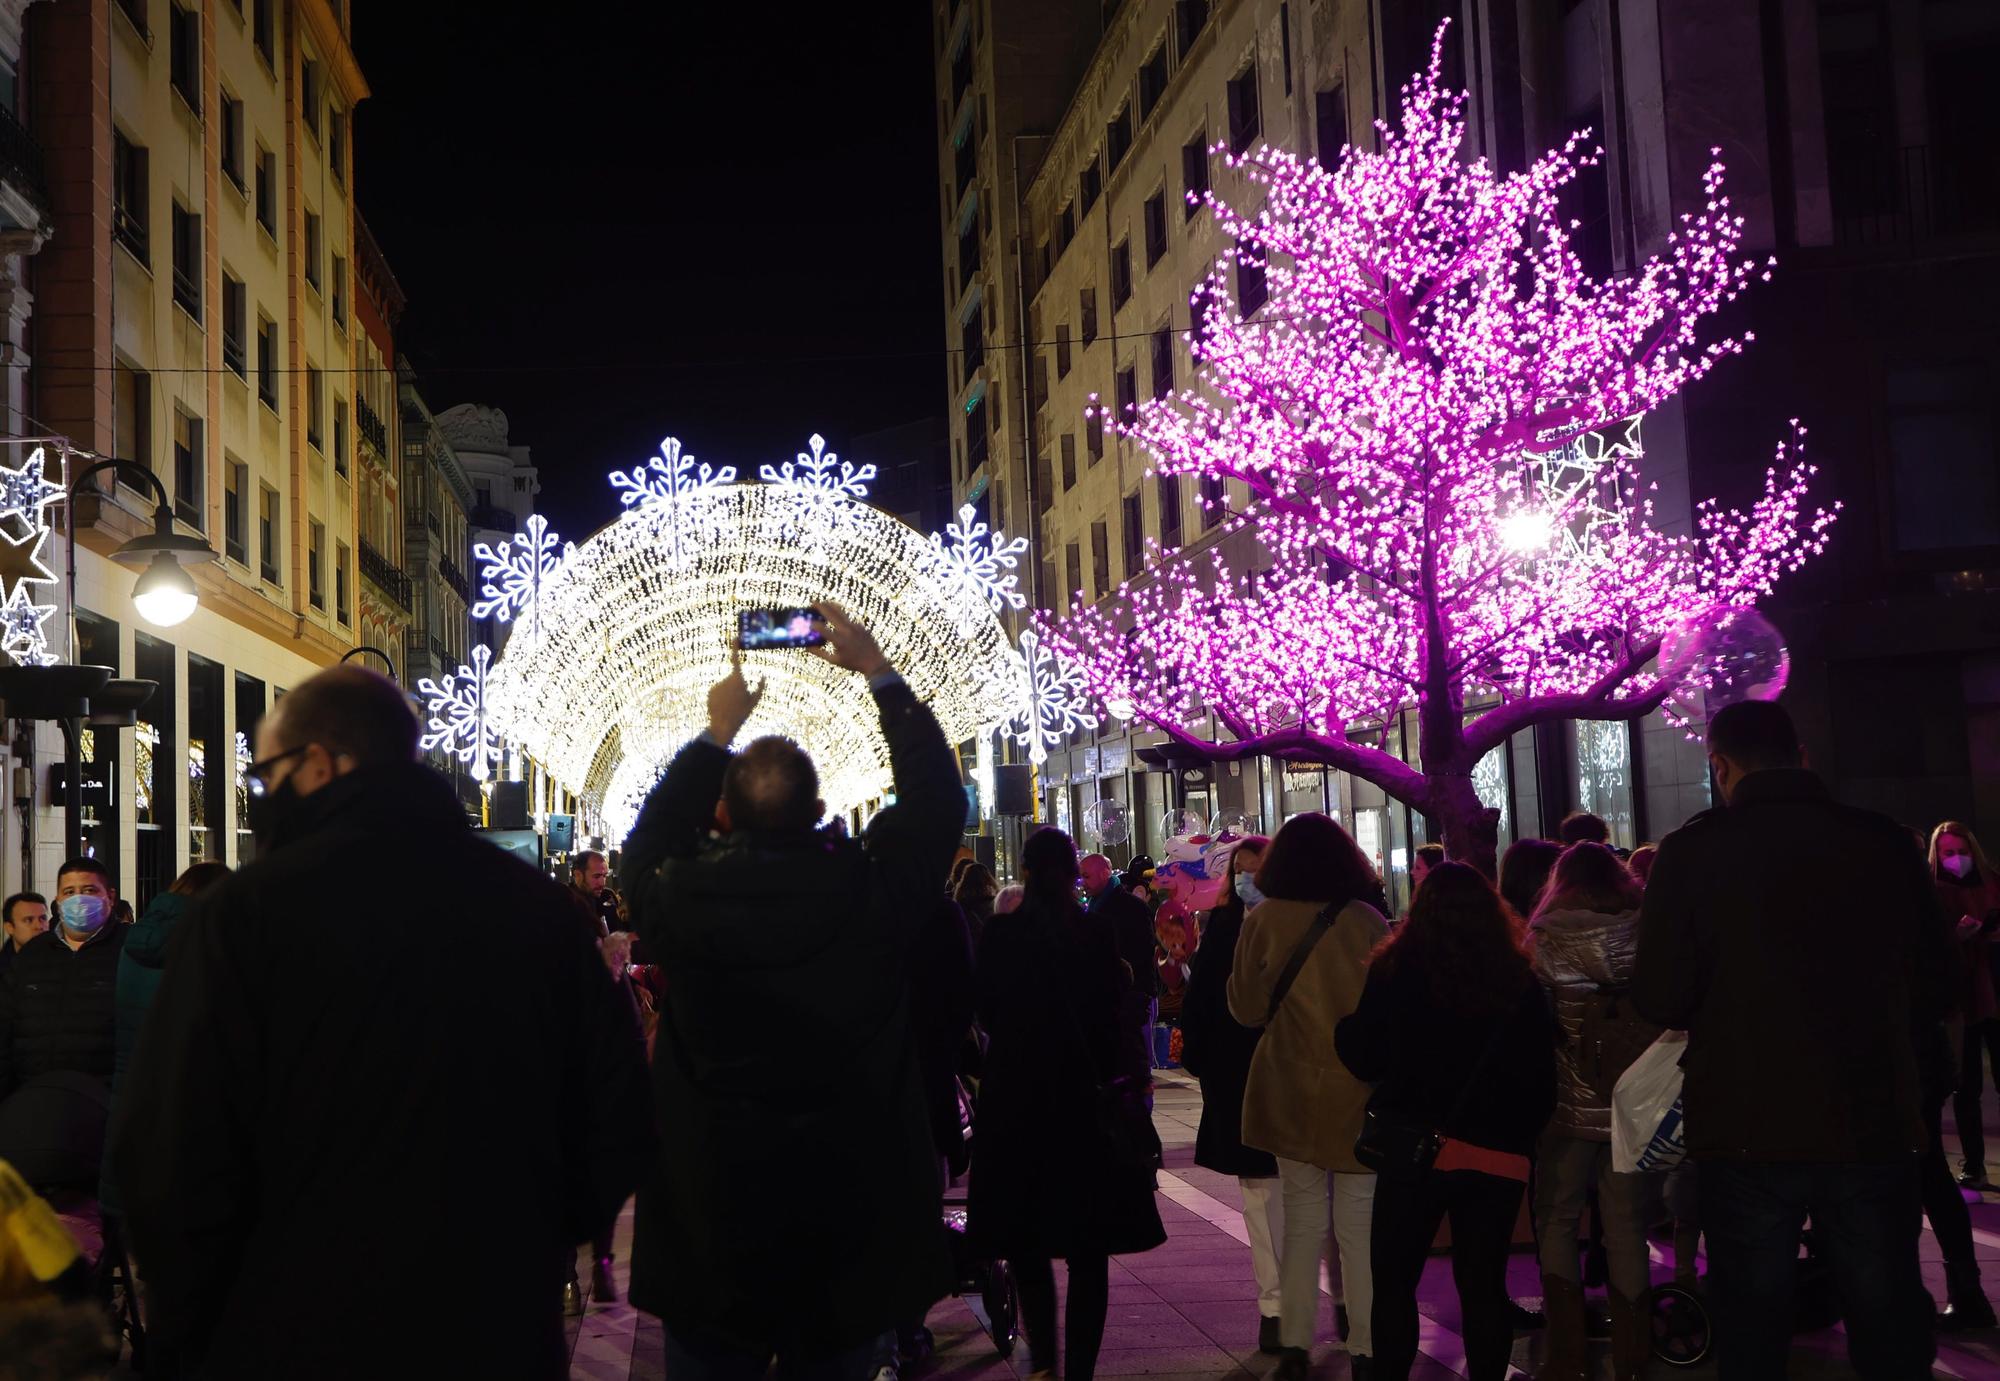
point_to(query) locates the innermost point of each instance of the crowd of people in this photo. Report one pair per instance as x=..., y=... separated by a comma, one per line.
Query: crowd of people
x=787, y=1043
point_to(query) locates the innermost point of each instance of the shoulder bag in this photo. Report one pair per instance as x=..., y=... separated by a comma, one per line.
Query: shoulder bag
x=1397, y=1145
x=1301, y=952
x=1122, y=1108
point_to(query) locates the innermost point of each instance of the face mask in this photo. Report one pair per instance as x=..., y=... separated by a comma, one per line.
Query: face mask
x=1246, y=888
x=83, y=915
x=269, y=812
x=1958, y=865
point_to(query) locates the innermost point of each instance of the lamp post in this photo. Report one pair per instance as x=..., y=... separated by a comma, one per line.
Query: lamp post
x=165, y=593
x=377, y=652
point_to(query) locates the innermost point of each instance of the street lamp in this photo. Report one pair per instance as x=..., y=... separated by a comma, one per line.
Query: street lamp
x=373, y=652
x=165, y=593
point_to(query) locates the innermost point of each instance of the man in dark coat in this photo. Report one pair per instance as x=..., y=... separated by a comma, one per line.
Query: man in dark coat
x=23, y=916
x=1798, y=942
x=384, y=1033
x=783, y=1048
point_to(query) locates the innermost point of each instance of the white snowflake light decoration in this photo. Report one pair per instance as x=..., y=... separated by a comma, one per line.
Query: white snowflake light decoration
x=459, y=719
x=822, y=474
x=1055, y=704
x=972, y=558
x=24, y=493
x=667, y=476
x=243, y=759
x=512, y=574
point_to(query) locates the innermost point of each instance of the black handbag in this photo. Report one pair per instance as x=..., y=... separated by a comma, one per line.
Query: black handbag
x=1394, y=1144
x=1123, y=1114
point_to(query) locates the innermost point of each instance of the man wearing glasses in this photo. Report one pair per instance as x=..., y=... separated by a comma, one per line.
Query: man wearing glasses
x=383, y=1032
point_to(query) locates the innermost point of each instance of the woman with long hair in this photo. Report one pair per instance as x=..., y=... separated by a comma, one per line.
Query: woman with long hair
x=1047, y=1179
x=1524, y=872
x=1454, y=1032
x=1969, y=896
x=1216, y=1049
x=1584, y=939
x=1300, y=963
x=975, y=894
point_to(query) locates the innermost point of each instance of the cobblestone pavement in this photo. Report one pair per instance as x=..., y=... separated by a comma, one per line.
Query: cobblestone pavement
x=1188, y=1310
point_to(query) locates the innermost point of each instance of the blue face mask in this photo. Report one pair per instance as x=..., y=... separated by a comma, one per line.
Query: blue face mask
x=83, y=915
x=1246, y=888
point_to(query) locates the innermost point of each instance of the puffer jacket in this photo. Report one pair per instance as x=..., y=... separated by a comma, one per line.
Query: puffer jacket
x=1585, y=960
x=56, y=1008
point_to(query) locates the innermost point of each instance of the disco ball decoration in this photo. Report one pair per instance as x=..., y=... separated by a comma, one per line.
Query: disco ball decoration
x=1107, y=823
x=1181, y=824
x=1721, y=656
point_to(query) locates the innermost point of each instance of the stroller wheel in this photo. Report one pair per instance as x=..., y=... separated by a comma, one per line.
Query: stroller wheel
x=1003, y=1307
x=1681, y=1333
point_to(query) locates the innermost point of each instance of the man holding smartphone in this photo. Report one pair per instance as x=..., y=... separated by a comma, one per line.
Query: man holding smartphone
x=783, y=1041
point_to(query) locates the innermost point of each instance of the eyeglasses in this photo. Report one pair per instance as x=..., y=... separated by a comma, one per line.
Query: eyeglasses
x=257, y=775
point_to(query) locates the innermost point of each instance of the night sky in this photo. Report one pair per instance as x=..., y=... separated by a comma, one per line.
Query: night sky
x=712, y=221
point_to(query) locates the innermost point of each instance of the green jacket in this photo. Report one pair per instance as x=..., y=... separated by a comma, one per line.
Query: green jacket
x=140, y=967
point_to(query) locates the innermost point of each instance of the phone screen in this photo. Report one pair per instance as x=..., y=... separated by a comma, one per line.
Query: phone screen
x=757, y=628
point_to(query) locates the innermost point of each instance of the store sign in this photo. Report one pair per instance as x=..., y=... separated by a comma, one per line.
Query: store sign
x=96, y=790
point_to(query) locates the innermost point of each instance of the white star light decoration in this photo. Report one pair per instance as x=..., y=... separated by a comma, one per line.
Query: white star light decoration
x=512, y=574
x=460, y=722
x=1055, y=705
x=821, y=474
x=24, y=494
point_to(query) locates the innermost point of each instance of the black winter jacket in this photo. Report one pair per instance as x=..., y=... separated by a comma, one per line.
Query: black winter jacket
x=58, y=1008
x=383, y=1031
x=1802, y=988
x=784, y=1058
x=1217, y=1048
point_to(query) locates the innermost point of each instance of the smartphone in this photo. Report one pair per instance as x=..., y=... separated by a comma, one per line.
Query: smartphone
x=757, y=628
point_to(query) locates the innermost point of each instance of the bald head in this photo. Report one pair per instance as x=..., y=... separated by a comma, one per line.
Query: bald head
x=1096, y=871
x=771, y=785
x=353, y=713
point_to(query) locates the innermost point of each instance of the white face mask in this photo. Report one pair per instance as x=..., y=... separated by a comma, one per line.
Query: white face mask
x=1246, y=888
x=1958, y=865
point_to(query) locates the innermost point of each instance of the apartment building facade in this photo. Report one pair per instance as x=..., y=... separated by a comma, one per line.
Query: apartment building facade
x=1854, y=155
x=194, y=315
x=382, y=618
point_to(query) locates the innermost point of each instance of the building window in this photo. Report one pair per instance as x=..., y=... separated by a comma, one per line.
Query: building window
x=1132, y=532
x=235, y=518
x=1285, y=43
x=1944, y=471
x=189, y=499
x=313, y=245
x=1199, y=302
x=135, y=10
x=1065, y=228
x=339, y=291
x=1089, y=183
x=1251, y=287
x=1170, y=511
x=267, y=362
x=267, y=535
x=340, y=560
x=1152, y=81
x=1127, y=388
x=132, y=434
x=129, y=195
x=1068, y=461
x=336, y=145
x=1093, y=434
x=315, y=563
x=187, y=261
x=1163, y=361
x=1062, y=350
x=1214, y=500
x=262, y=27
x=315, y=399
x=1330, y=126
x=340, y=436
x=309, y=97
x=267, y=192
x=1118, y=137
x=232, y=141
x=1194, y=174
x=235, y=323
x=1245, y=120
x=184, y=54
x=1189, y=17
x=1100, y=560
x=1086, y=302
x=1156, y=227
x=1073, y=564
x=1121, y=274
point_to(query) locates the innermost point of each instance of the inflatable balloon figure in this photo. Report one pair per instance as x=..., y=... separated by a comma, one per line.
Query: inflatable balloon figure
x=1184, y=874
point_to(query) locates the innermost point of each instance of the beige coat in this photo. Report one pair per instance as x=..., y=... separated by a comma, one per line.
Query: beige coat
x=1301, y=1103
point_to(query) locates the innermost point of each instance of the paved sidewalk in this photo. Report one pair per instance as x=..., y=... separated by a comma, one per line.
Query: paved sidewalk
x=1188, y=1310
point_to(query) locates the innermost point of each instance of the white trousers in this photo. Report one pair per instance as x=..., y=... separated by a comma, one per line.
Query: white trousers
x=1264, y=1220
x=1309, y=1192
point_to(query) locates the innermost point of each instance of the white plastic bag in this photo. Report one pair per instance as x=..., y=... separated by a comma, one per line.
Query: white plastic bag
x=1646, y=1128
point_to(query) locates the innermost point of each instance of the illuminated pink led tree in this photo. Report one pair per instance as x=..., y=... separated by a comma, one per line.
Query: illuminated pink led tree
x=1435, y=416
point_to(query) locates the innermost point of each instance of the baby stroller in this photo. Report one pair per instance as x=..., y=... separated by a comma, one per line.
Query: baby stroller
x=1682, y=1332
x=987, y=1285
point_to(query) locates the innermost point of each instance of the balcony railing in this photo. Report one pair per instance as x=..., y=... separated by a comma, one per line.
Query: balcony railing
x=21, y=160
x=967, y=164
x=371, y=427
x=386, y=574
x=455, y=578
x=492, y=516
x=1909, y=196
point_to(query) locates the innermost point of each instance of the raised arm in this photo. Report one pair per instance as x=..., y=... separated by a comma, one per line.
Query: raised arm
x=678, y=812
